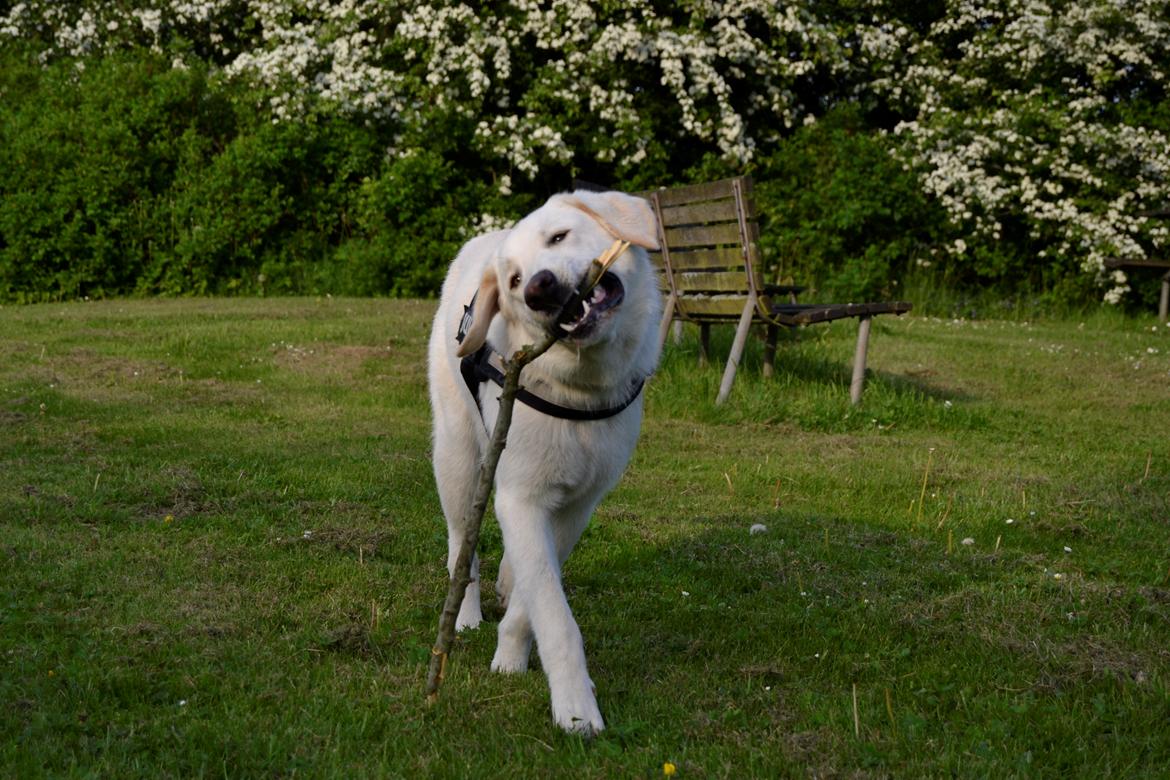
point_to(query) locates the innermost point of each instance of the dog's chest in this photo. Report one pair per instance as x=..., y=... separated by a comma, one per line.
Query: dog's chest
x=576, y=458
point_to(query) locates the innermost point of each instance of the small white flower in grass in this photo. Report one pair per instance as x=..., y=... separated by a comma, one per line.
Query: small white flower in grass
x=686, y=593
x=1058, y=576
x=947, y=404
x=1067, y=549
x=1010, y=520
x=968, y=541
x=758, y=528
x=182, y=702
x=307, y=535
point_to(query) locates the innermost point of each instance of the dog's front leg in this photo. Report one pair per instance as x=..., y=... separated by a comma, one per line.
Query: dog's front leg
x=538, y=601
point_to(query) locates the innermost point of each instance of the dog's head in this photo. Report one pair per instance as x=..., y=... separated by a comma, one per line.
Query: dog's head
x=543, y=258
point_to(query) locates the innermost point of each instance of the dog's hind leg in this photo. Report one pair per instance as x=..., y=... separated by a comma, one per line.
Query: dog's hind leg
x=504, y=583
x=514, y=645
x=456, y=471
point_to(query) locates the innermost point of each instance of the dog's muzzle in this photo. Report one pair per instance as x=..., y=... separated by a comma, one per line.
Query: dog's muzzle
x=545, y=294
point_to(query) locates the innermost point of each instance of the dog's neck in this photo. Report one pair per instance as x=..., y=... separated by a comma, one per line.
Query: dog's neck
x=568, y=373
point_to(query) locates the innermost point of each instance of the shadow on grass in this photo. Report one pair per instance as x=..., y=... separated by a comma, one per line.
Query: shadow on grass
x=734, y=635
x=810, y=388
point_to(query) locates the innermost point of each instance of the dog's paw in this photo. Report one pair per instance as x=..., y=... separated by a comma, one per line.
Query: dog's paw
x=470, y=615
x=577, y=713
x=509, y=662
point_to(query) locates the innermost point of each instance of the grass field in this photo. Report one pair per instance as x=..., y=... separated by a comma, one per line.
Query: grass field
x=222, y=554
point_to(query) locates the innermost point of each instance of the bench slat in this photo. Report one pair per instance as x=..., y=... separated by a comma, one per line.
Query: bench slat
x=701, y=235
x=711, y=281
x=715, y=306
x=692, y=193
x=718, y=259
x=699, y=213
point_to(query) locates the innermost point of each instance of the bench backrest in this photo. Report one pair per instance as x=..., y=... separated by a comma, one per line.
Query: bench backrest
x=710, y=256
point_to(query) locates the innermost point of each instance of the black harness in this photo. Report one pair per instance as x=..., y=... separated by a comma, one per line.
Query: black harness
x=484, y=365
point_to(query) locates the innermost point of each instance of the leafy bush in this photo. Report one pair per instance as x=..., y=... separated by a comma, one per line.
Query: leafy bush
x=410, y=222
x=130, y=176
x=86, y=155
x=840, y=212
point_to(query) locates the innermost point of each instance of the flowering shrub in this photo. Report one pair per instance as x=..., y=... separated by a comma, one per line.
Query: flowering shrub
x=1028, y=122
x=1038, y=127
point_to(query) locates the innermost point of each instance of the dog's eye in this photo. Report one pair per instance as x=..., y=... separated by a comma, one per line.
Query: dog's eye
x=514, y=281
x=557, y=238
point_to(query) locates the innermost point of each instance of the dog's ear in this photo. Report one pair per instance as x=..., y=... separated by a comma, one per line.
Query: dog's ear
x=487, y=303
x=625, y=216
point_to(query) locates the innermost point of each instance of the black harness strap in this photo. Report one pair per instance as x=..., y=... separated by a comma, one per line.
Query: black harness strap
x=477, y=368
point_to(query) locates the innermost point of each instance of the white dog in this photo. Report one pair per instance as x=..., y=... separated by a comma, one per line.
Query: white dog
x=557, y=466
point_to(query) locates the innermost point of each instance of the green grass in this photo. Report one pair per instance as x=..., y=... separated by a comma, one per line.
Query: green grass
x=221, y=554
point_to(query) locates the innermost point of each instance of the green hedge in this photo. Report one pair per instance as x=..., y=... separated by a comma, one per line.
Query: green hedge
x=131, y=177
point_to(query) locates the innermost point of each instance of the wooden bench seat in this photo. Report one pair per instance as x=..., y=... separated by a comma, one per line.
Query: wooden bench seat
x=713, y=273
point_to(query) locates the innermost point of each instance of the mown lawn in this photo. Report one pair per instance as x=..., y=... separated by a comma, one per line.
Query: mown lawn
x=222, y=554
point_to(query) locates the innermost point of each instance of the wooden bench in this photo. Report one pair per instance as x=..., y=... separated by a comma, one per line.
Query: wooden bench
x=1153, y=262
x=713, y=273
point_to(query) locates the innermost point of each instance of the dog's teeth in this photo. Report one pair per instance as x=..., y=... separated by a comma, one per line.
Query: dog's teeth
x=587, y=306
x=570, y=328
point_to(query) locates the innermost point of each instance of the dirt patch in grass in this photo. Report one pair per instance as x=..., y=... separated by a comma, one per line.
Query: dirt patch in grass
x=186, y=496
x=363, y=542
x=353, y=639
x=329, y=359
x=93, y=368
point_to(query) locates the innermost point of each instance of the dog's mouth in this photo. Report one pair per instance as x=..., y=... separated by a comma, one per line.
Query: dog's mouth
x=604, y=298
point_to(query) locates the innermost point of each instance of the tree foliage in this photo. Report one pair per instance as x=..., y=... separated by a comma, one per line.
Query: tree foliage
x=351, y=146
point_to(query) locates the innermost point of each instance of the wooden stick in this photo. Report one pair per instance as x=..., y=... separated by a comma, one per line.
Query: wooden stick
x=461, y=577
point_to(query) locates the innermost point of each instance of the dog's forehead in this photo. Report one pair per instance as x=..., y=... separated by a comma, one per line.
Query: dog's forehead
x=554, y=215
x=528, y=239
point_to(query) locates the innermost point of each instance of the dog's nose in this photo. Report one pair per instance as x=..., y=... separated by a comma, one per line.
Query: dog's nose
x=543, y=292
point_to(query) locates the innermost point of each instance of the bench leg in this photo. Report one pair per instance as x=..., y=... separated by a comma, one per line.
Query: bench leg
x=664, y=324
x=704, y=342
x=677, y=332
x=741, y=335
x=1164, y=301
x=858, y=383
x=770, y=351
